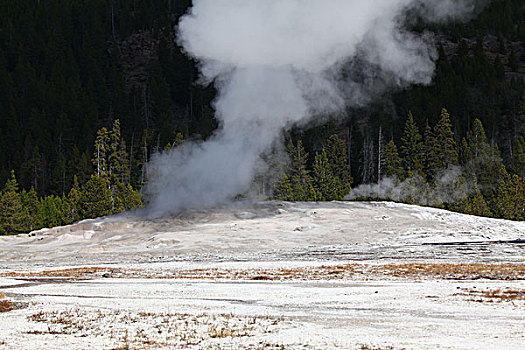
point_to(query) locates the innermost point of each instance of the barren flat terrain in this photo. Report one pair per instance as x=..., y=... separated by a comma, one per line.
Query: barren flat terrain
x=274, y=275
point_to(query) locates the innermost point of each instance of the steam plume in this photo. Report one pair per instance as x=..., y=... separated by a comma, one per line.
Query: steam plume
x=450, y=187
x=278, y=63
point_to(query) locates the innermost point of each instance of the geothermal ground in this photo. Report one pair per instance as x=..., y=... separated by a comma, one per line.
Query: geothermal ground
x=269, y=275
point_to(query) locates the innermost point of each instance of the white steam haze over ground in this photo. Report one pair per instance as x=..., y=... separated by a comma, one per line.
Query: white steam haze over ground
x=448, y=189
x=276, y=64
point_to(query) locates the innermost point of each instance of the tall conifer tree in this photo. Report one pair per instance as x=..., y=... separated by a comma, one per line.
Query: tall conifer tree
x=445, y=148
x=12, y=215
x=392, y=164
x=411, y=146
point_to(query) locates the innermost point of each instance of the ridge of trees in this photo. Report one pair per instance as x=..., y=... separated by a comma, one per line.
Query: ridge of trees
x=106, y=192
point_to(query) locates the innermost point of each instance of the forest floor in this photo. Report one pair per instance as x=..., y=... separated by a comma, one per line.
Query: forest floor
x=272, y=275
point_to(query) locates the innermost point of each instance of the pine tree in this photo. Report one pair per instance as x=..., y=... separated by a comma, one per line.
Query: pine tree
x=476, y=204
x=392, y=164
x=96, y=198
x=50, y=211
x=511, y=198
x=295, y=183
x=114, y=138
x=283, y=188
x=72, y=203
x=445, y=150
x=430, y=157
x=477, y=142
x=118, y=158
x=299, y=175
x=465, y=155
x=12, y=215
x=100, y=155
x=327, y=185
x=126, y=198
x=31, y=206
x=122, y=168
x=517, y=165
x=336, y=152
x=411, y=146
x=485, y=163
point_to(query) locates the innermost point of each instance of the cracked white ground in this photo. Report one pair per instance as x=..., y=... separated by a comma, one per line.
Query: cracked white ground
x=346, y=275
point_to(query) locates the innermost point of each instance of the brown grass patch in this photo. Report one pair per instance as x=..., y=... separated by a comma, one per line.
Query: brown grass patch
x=354, y=271
x=145, y=330
x=6, y=306
x=68, y=274
x=493, y=295
x=373, y=347
x=2, y=295
x=454, y=271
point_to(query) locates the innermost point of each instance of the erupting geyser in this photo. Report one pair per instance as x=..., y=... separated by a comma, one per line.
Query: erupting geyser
x=277, y=63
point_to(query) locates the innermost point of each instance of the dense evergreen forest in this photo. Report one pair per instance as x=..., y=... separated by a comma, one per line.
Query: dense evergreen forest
x=89, y=90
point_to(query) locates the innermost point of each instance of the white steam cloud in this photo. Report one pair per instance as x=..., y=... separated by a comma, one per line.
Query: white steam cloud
x=450, y=187
x=279, y=63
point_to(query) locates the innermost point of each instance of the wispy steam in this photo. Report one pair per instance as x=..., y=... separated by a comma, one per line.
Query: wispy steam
x=278, y=63
x=450, y=187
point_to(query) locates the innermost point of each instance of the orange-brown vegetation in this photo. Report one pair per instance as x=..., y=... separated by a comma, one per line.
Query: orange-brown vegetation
x=72, y=273
x=493, y=295
x=372, y=347
x=171, y=330
x=5, y=306
x=354, y=271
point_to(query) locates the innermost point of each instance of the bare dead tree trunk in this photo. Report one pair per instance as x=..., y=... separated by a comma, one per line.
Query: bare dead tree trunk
x=379, y=153
x=349, y=132
x=368, y=160
x=131, y=156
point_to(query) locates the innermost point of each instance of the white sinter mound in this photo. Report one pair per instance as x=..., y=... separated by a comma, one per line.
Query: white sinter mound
x=265, y=231
x=268, y=275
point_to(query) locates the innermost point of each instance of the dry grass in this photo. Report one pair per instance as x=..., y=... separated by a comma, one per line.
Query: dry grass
x=2, y=295
x=147, y=330
x=456, y=271
x=6, y=306
x=373, y=347
x=355, y=271
x=68, y=274
x=493, y=295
